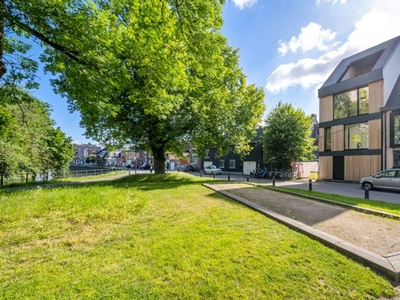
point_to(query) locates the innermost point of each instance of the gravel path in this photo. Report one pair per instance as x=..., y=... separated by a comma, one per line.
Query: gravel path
x=377, y=234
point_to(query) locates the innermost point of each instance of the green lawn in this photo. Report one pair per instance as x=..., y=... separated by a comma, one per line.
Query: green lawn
x=163, y=237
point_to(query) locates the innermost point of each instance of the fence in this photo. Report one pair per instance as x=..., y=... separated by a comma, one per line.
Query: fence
x=27, y=177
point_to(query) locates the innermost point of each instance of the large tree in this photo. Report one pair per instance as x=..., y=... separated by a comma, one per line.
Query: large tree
x=152, y=73
x=287, y=135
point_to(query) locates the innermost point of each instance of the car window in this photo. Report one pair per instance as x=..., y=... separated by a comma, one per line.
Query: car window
x=390, y=173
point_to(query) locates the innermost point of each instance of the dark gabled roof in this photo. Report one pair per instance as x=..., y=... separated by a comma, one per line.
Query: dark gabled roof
x=394, y=98
x=379, y=55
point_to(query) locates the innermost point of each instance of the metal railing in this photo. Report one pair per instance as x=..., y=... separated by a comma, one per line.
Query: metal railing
x=29, y=177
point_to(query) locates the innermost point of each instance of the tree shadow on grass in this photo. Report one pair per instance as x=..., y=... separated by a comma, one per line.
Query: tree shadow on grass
x=142, y=181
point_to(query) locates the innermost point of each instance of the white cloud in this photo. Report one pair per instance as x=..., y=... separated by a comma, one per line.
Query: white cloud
x=373, y=28
x=331, y=1
x=306, y=72
x=244, y=3
x=312, y=36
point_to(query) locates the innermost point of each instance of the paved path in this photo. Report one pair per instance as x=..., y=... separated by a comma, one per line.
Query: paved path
x=338, y=188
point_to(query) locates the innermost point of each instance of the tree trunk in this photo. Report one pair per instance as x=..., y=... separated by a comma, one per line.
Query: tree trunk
x=159, y=159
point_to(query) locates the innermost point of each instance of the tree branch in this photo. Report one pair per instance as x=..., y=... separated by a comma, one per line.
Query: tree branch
x=66, y=51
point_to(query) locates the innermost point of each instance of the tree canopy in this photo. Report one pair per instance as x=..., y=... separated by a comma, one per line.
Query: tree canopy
x=155, y=74
x=287, y=135
x=29, y=142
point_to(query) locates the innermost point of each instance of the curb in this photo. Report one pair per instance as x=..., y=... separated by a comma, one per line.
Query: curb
x=388, y=265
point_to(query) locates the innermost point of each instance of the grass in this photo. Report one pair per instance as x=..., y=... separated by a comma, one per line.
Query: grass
x=392, y=208
x=163, y=237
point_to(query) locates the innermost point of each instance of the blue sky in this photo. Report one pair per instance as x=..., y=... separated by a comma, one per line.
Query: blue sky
x=287, y=47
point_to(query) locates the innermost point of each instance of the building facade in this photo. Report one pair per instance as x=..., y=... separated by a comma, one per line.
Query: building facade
x=83, y=151
x=232, y=162
x=359, y=128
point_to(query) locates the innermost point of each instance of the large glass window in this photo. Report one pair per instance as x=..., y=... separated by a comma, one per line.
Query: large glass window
x=356, y=136
x=351, y=103
x=328, y=139
x=363, y=100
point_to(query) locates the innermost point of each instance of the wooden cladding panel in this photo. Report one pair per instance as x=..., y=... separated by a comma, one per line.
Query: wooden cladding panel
x=357, y=167
x=375, y=96
x=321, y=141
x=337, y=138
x=326, y=109
x=325, y=167
x=375, y=128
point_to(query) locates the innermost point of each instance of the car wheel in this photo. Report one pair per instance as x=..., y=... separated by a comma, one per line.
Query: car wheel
x=368, y=185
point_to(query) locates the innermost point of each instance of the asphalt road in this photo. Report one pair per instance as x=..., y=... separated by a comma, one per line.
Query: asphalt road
x=338, y=188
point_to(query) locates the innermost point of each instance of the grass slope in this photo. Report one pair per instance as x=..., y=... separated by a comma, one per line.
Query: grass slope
x=162, y=237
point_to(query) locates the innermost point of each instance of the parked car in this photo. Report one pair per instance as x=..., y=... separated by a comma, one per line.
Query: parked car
x=144, y=167
x=213, y=170
x=386, y=179
x=186, y=168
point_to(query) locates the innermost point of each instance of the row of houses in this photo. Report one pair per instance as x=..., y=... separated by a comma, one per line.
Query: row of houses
x=125, y=157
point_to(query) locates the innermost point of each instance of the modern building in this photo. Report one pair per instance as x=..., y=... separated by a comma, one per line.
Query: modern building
x=359, y=126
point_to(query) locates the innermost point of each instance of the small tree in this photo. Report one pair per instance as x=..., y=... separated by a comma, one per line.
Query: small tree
x=286, y=136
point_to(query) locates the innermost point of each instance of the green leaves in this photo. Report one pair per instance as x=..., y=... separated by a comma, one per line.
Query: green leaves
x=29, y=142
x=286, y=137
x=157, y=74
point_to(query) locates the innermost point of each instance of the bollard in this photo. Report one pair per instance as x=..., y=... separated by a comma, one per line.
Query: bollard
x=273, y=180
x=201, y=173
x=229, y=177
x=366, y=190
x=310, y=185
x=247, y=178
x=214, y=175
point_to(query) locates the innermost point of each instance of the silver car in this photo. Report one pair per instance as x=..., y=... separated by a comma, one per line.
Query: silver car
x=213, y=170
x=387, y=179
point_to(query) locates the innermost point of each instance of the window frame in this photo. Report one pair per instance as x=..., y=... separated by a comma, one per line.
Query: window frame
x=328, y=132
x=393, y=116
x=222, y=163
x=358, y=101
x=232, y=164
x=347, y=137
